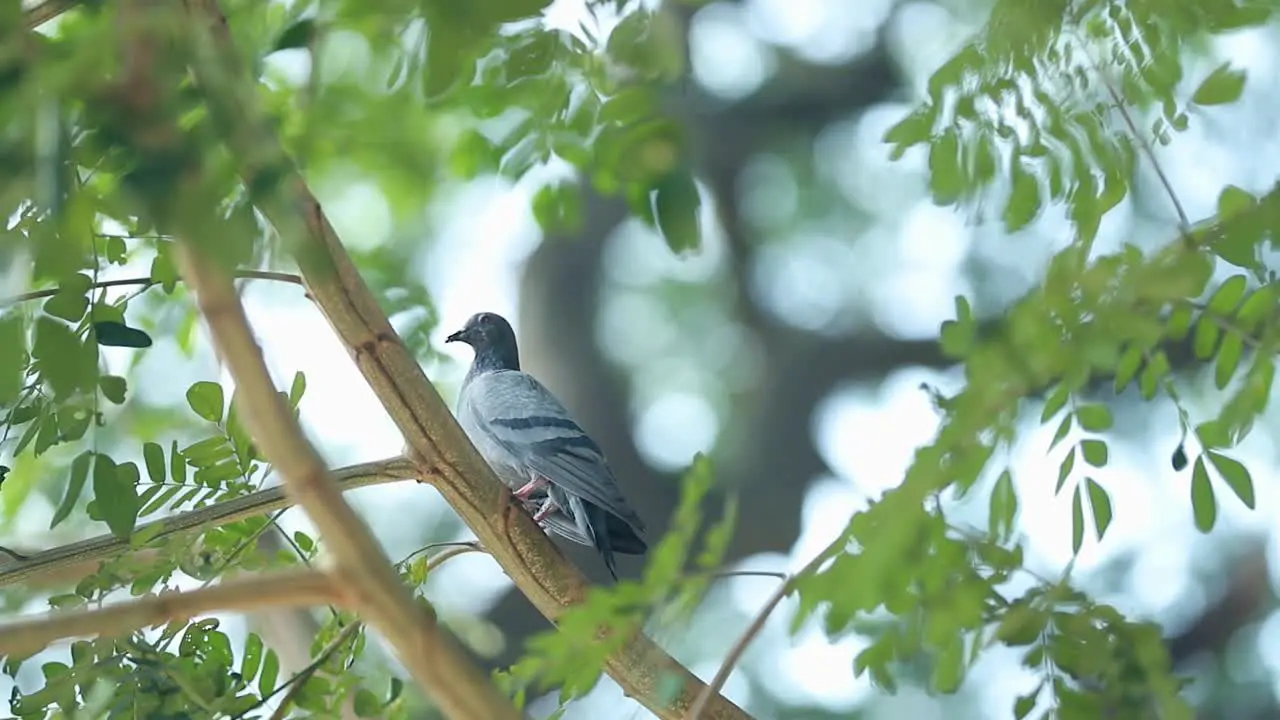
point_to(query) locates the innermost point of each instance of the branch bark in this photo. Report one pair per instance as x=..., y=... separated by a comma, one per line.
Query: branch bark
x=434, y=439
x=273, y=590
x=69, y=563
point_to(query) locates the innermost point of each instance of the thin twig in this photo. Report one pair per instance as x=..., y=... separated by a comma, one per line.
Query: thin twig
x=468, y=545
x=71, y=560
x=296, y=682
x=740, y=647
x=1184, y=223
x=148, y=282
x=244, y=594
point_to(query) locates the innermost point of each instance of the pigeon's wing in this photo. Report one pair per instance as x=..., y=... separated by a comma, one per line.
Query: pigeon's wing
x=517, y=412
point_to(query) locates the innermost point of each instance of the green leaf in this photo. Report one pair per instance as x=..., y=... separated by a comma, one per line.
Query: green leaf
x=297, y=388
x=114, y=334
x=297, y=35
x=1234, y=200
x=948, y=670
x=675, y=205
x=270, y=672
x=1064, y=470
x=1023, y=706
x=113, y=388
x=253, y=648
x=1024, y=199
x=1228, y=295
x=1204, y=506
x=1095, y=417
x=1055, y=402
x=366, y=704
x=1206, y=339
x=153, y=458
x=115, y=492
x=68, y=364
x=1077, y=521
x=1003, y=507
x=1094, y=451
x=1064, y=427
x=946, y=182
x=1100, y=503
x=1154, y=371
x=1213, y=434
x=1236, y=476
x=1179, y=322
x=206, y=400
x=1256, y=308
x=911, y=130
x=1127, y=368
x=1223, y=85
x=1228, y=359
x=12, y=360
x=79, y=473
x=558, y=207
x=959, y=336
x=70, y=302
x=177, y=464
x=164, y=270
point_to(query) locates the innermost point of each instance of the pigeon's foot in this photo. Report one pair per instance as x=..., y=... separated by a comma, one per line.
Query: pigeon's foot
x=531, y=487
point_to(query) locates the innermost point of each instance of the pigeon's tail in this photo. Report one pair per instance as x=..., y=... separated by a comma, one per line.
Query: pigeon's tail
x=599, y=526
x=623, y=538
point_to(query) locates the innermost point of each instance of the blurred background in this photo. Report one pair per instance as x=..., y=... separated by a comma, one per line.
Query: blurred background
x=792, y=348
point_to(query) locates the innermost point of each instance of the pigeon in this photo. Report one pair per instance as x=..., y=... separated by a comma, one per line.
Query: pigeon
x=538, y=450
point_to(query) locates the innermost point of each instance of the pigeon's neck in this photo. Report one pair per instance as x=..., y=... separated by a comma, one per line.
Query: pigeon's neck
x=492, y=359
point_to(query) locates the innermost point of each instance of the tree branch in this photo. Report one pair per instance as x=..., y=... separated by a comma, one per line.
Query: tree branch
x=740, y=647
x=37, y=15
x=444, y=671
x=71, y=562
x=272, y=590
x=246, y=274
x=434, y=440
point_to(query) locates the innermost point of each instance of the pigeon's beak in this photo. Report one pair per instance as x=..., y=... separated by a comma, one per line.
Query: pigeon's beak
x=456, y=337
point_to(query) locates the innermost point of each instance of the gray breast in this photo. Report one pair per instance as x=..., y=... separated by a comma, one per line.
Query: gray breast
x=505, y=465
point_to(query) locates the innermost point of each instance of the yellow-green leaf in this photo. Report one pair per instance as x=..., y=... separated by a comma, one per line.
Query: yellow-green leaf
x=1204, y=506
x=1077, y=521
x=1228, y=359
x=1236, y=476
x=1100, y=503
x=1223, y=85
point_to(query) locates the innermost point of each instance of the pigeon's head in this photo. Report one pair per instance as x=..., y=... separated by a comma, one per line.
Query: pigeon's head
x=491, y=336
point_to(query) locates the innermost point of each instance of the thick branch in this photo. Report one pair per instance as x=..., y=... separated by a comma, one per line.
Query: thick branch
x=72, y=562
x=445, y=456
x=446, y=673
x=244, y=594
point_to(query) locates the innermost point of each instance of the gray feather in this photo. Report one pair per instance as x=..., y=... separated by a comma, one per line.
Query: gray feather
x=524, y=432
